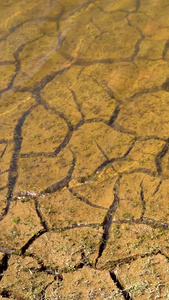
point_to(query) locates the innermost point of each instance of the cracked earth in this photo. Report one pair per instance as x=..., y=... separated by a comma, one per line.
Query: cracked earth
x=84, y=149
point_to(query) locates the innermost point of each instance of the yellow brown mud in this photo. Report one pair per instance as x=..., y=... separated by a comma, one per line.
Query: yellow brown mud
x=84, y=143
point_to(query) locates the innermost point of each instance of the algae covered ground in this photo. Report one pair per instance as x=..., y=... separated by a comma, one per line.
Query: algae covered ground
x=84, y=149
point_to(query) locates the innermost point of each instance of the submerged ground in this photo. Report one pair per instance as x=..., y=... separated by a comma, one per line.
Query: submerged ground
x=84, y=140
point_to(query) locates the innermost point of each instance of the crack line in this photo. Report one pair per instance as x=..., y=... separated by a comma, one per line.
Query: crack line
x=125, y=294
x=142, y=200
x=13, y=169
x=83, y=199
x=108, y=219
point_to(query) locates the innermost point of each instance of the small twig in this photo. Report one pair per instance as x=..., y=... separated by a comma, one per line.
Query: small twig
x=105, y=155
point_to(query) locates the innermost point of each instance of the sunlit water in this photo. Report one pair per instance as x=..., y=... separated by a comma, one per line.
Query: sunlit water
x=84, y=140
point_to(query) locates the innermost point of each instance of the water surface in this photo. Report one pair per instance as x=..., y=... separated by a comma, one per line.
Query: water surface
x=84, y=140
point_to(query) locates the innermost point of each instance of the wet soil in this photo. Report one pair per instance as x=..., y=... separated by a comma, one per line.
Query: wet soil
x=84, y=149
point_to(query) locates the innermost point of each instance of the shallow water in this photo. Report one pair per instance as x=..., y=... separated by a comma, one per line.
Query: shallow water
x=84, y=140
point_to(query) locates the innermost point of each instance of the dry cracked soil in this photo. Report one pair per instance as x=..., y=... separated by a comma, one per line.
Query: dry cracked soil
x=84, y=149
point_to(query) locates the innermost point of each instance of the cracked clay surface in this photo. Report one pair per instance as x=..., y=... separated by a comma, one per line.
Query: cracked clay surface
x=84, y=149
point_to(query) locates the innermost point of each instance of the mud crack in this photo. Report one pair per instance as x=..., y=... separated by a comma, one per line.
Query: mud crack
x=108, y=219
x=125, y=294
x=159, y=157
x=4, y=264
x=13, y=169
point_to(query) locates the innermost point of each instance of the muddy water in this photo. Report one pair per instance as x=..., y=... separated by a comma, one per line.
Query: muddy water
x=84, y=140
